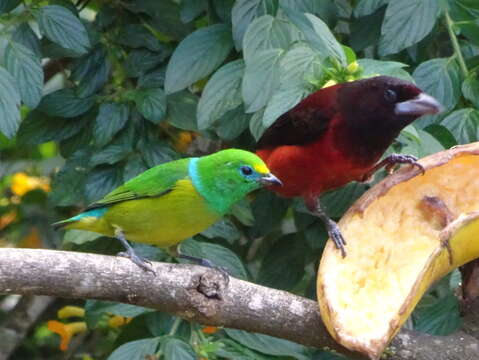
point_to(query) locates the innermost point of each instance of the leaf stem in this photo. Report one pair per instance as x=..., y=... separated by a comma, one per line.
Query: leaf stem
x=455, y=44
x=174, y=327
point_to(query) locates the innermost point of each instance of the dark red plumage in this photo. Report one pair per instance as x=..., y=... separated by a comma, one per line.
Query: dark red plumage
x=338, y=134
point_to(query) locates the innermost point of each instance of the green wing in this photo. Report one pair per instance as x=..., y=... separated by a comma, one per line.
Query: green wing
x=156, y=181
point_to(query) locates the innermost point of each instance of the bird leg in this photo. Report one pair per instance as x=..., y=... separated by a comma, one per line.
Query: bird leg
x=333, y=229
x=175, y=251
x=390, y=162
x=130, y=253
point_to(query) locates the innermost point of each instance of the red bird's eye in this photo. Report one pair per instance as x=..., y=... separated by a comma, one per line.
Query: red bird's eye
x=390, y=95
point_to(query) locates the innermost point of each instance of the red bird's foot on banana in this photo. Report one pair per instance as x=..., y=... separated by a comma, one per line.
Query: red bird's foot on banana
x=337, y=135
x=390, y=163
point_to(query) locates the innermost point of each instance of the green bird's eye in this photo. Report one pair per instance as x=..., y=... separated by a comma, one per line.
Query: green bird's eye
x=246, y=170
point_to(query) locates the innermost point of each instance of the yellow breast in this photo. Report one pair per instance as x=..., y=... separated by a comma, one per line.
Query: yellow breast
x=164, y=220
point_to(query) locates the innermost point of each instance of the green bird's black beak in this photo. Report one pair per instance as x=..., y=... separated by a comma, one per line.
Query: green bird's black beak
x=270, y=179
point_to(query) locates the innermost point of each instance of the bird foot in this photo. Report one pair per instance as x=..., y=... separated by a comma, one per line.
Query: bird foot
x=390, y=163
x=338, y=239
x=398, y=159
x=143, y=263
x=207, y=263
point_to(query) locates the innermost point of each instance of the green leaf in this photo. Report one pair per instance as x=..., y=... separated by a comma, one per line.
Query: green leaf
x=134, y=166
x=91, y=71
x=62, y=27
x=176, y=349
x=336, y=202
x=182, y=107
x=366, y=31
x=290, y=250
x=141, y=60
x=38, y=128
x=9, y=104
x=197, y=56
x=165, y=16
x=224, y=229
x=27, y=70
x=151, y=103
x=137, y=36
x=268, y=344
x=8, y=5
x=470, y=90
x=69, y=182
x=266, y=33
x=111, y=154
x=233, y=123
x=442, y=134
x=437, y=316
x=24, y=35
x=256, y=126
x=367, y=7
x=261, y=78
x=407, y=22
x=282, y=101
x=65, y=103
x=318, y=35
x=445, y=85
x=111, y=118
x=221, y=94
x=324, y=9
x=391, y=68
x=152, y=79
x=242, y=14
x=101, y=181
x=191, y=9
x=95, y=309
x=217, y=254
x=463, y=124
x=135, y=350
x=156, y=152
x=79, y=237
x=268, y=210
x=296, y=66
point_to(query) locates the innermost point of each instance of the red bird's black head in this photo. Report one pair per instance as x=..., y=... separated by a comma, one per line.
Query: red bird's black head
x=375, y=110
x=384, y=100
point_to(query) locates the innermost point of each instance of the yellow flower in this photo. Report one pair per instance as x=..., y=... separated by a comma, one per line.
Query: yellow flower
x=22, y=183
x=353, y=67
x=70, y=311
x=209, y=329
x=32, y=240
x=66, y=331
x=329, y=83
x=116, y=321
x=183, y=141
x=7, y=219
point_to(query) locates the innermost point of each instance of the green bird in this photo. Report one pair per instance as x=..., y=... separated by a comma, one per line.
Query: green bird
x=174, y=201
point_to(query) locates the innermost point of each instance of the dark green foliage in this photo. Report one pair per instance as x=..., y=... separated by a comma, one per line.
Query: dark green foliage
x=128, y=84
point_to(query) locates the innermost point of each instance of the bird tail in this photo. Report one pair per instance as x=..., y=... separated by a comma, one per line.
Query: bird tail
x=61, y=224
x=83, y=221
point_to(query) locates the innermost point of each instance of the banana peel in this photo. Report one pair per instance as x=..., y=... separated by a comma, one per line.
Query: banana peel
x=402, y=235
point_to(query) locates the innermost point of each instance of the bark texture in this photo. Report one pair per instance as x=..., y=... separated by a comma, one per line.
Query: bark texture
x=200, y=294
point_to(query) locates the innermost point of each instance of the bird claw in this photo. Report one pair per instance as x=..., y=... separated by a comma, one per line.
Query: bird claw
x=397, y=159
x=143, y=263
x=224, y=272
x=338, y=239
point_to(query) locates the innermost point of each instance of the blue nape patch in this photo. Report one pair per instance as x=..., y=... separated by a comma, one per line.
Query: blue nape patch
x=91, y=213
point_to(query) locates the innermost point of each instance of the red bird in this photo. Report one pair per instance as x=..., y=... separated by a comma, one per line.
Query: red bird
x=337, y=135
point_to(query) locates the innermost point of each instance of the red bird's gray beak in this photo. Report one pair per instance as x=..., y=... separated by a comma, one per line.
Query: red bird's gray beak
x=270, y=179
x=421, y=105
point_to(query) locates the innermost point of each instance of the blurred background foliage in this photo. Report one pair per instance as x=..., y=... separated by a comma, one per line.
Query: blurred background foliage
x=94, y=92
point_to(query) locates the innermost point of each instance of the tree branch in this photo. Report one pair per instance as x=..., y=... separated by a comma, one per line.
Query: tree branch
x=194, y=293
